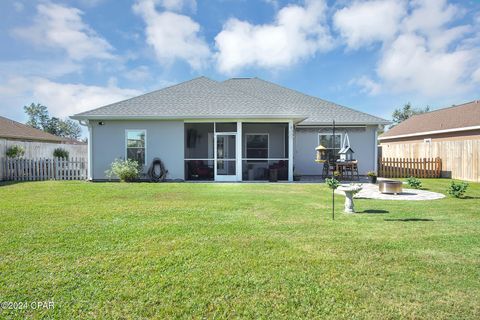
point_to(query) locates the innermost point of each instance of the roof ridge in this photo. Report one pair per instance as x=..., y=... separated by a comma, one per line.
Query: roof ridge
x=148, y=93
x=476, y=101
x=317, y=98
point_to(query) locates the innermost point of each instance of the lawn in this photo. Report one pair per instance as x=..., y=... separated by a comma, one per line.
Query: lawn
x=180, y=250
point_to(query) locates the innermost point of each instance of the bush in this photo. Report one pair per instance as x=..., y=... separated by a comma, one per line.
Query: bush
x=15, y=151
x=457, y=189
x=415, y=183
x=61, y=153
x=371, y=174
x=126, y=170
x=332, y=183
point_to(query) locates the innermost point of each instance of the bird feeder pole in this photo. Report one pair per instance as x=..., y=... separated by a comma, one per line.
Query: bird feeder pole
x=333, y=173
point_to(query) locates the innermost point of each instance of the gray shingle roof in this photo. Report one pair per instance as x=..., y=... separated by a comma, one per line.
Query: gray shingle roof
x=206, y=98
x=318, y=111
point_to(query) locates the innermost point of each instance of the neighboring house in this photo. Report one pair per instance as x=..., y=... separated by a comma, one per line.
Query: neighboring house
x=226, y=131
x=453, y=134
x=37, y=143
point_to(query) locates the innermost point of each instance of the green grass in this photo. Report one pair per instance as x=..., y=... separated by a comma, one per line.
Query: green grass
x=179, y=250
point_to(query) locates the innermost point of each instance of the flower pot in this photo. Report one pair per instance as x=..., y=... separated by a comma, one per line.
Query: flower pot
x=373, y=179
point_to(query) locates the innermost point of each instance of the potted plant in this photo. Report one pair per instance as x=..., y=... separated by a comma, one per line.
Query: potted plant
x=372, y=176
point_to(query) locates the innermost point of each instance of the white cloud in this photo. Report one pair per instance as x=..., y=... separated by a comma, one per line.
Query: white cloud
x=138, y=74
x=362, y=23
x=298, y=32
x=62, y=99
x=476, y=76
x=45, y=68
x=62, y=27
x=409, y=65
x=178, y=5
x=428, y=53
x=173, y=36
x=367, y=85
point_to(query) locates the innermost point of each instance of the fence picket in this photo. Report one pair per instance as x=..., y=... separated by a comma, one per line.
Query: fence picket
x=43, y=169
x=407, y=167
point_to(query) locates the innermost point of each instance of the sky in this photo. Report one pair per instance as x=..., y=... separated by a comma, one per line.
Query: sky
x=373, y=56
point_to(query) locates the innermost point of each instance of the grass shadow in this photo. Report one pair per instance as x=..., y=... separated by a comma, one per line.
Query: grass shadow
x=470, y=198
x=409, y=219
x=374, y=211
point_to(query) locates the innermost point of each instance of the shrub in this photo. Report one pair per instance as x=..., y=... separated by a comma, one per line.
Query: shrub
x=457, y=189
x=126, y=170
x=61, y=153
x=15, y=151
x=332, y=183
x=415, y=183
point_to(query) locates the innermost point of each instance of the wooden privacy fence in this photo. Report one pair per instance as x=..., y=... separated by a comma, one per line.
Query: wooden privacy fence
x=43, y=169
x=410, y=167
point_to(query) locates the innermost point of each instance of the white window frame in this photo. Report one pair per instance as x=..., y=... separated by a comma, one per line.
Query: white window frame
x=126, y=142
x=330, y=134
x=268, y=145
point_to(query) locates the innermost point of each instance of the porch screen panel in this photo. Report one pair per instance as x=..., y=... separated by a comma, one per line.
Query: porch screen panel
x=199, y=150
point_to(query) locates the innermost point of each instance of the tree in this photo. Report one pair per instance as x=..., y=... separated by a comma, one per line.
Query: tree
x=39, y=118
x=37, y=115
x=402, y=114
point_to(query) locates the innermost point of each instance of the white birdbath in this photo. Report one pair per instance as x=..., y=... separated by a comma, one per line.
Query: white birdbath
x=350, y=191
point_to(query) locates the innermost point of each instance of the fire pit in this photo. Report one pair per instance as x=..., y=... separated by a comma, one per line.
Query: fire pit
x=390, y=186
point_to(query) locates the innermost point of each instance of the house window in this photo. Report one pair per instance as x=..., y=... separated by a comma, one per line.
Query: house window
x=326, y=140
x=135, y=147
x=257, y=145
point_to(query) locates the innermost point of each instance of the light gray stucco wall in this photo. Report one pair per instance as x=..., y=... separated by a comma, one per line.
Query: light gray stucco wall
x=165, y=139
x=362, y=141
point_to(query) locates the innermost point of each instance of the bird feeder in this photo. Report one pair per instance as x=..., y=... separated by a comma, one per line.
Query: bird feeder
x=346, y=154
x=321, y=154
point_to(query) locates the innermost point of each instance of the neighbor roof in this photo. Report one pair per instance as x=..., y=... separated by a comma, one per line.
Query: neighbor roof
x=234, y=98
x=16, y=130
x=456, y=118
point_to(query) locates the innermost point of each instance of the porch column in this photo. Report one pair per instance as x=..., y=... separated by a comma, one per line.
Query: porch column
x=290, y=150
x=239, y=151
x=90, y=152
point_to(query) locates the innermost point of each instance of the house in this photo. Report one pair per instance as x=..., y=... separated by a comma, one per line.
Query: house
x=453, y=134
x=235, y=130
x=37, y=143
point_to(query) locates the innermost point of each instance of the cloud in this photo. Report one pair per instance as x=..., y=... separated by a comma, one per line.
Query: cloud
x=363, y=23
x=173, y=36
x=428, y=53
x=367, y=85
x=297, y=33
x=45, y=68
x=62, y=99
x=409, y=65
x=178, y=5
x=138, y=74
x=62, y=27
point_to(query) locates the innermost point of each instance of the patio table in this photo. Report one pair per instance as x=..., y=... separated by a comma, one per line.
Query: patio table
x=348, y=167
